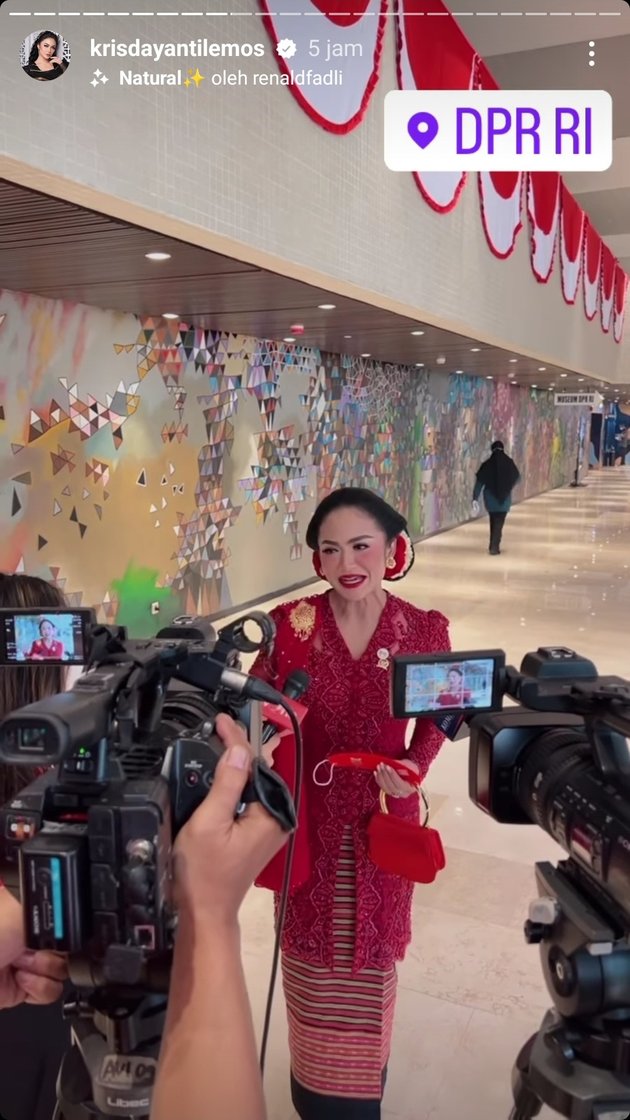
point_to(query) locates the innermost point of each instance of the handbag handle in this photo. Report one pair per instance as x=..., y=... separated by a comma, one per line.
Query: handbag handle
x=423, y=798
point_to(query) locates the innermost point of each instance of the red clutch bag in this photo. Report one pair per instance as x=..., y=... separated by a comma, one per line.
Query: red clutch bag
x=413, y=851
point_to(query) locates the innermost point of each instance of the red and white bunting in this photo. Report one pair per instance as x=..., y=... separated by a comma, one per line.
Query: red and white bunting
x=572, y=218
x=607, y=287
x=321, y=28
x=433, y=53
x=543, y=208
x=501, y=204
x=591, y=274
x=621, y=296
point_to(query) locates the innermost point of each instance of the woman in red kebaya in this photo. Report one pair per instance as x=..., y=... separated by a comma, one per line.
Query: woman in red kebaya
x=348, y=922
x=454, y=695
x=47, y=647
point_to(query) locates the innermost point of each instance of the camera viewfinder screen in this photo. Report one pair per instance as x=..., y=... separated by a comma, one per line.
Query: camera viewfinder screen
x=53, y=637
x=450, y=683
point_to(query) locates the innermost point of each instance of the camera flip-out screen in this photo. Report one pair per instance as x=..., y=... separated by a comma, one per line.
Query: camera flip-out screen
x=52, y=635
x=423, y=684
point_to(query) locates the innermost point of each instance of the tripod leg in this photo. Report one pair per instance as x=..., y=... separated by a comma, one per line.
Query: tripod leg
x=526, y=1103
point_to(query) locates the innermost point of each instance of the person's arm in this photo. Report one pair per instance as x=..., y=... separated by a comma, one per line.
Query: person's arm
x=208, y=1063
x=477, y=491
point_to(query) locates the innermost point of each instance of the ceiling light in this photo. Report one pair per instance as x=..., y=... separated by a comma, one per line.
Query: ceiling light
x=347, y=336
x=541, y=369
x=327, y=306
x=534, y=386
x=158, y=256
x=289, y=339
x=419, y=365
x=417, y=333
x=489, y=377
x=514, y=359
x=459, y=371
x=564, y=375
x=580, y=378
x=475, y=349
x=440, y=360
x=513, y=382
x=170, y=315
x=366, y=355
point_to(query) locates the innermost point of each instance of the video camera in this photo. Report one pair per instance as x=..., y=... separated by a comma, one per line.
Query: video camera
x=133, y=761
x=560, y=759
x=126, y=756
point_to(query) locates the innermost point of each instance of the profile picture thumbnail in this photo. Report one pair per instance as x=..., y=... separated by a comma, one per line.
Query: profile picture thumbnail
x=45, y=55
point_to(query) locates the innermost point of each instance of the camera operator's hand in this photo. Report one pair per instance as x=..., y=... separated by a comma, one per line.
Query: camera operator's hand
x=208, y=1061
x=25, y=977
x=216, y=858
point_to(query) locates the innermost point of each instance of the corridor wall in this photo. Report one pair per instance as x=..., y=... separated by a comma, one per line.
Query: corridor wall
x=146, y=461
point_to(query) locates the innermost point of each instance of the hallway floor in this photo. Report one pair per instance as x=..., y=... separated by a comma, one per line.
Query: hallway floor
x=471, y=991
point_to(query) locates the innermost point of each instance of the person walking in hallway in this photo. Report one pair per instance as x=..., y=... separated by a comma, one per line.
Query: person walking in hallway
x=496, y=479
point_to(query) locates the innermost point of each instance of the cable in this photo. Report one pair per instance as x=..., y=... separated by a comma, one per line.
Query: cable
x=284, y=891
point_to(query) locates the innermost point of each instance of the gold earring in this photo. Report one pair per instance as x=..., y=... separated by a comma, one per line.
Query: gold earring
x=391, y=563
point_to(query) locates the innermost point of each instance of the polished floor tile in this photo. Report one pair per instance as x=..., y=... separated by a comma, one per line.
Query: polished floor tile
x=471, y=991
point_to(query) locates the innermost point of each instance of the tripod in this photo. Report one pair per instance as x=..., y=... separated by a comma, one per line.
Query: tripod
x=547, y=1071
x=109, y=1070
x=578, y=1063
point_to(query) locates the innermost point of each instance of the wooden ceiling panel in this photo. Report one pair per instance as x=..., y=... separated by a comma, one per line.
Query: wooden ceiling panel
x=57, y=250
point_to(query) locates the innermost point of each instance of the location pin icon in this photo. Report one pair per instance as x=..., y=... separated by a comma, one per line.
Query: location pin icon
x=423, y=128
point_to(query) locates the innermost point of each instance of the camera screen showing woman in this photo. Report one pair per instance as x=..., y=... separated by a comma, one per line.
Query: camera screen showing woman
x=46, y=58
x=47, y=647
x=454, y=695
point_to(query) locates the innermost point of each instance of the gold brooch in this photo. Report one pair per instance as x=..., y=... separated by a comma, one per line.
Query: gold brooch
x=302, y=619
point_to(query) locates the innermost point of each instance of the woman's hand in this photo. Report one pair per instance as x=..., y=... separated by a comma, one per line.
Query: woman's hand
x=269, y=749
x=392, y=784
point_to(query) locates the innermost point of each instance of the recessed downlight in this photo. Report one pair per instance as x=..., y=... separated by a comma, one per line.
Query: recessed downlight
x=514, y=359
x=366, y=355
x=347, y=336
x=475, y=349
x=580, y=379
x=564, y=375
x=541, y=369
x=326, y=306
x=289, y=339
x=489, y=377
x=158, y=256
x=417, y=333
x=534, y=386
x=170, y=315
x=419, y=365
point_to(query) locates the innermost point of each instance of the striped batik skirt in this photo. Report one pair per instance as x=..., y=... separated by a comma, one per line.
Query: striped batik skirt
x=340, y=1024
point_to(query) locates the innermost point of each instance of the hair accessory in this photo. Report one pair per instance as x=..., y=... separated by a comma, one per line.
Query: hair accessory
x=400, y=563
x=317, y=564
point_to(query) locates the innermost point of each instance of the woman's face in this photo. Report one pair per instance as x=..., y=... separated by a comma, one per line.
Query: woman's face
x=47, y=48
x=454, y=681
x=353, y=551
x=47, y=630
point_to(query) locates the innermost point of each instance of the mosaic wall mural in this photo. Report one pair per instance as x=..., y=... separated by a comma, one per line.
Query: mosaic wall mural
x=135, y=453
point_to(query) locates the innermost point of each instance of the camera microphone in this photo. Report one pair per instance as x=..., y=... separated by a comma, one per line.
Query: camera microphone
x=295, y=686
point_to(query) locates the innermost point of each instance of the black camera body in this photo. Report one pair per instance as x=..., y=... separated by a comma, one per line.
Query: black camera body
x=132, y=761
